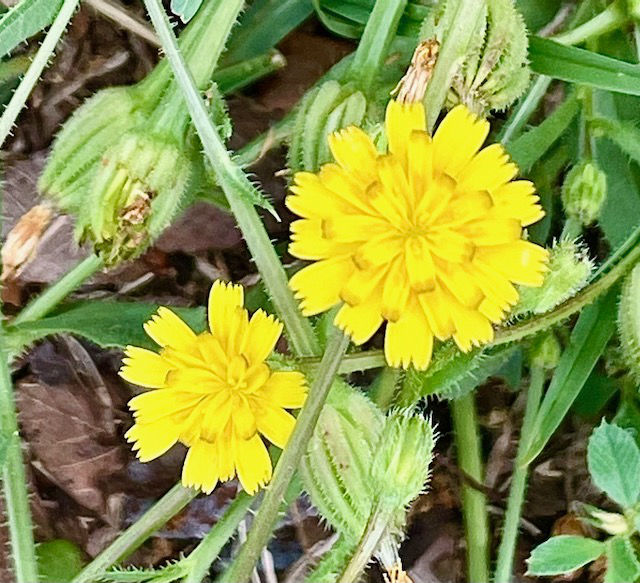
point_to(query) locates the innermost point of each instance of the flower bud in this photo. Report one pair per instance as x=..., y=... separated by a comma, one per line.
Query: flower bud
x=545, y=351
x=569, y=270
x=401, y=465
x=135, y=193
x=328, y=108
x=494, y=71
x=584, y=191
x=629, y=322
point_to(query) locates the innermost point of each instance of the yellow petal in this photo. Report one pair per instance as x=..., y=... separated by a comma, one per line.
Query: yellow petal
x=276, y=425
x=361, y=285
x=459, y=137
x=225, y=453
x=396, y=292
x=420, y=164
x=214, y=356
x=262, y=334
x=345, y=186
x=200, y=467
x=521, y=262
x=312, y=199
x=400, y=121
x=492, y=231
x=224, y=299
x=360, y=322
x=436, y=307
x=217, y=413
x=472, y=327
x=318, y=285
x=517, y=200
x=409, y=341
x=420, y=266
x=460, y=285
x=308, y=241
x=354, y=151
x=144, y=367
x=488, y=170
x=287, y=389
x=151, y=440
x=378, y=251
x=252, y=463
x=450, y=245
x=244, y=420
x=167, y=329
x=155, y=405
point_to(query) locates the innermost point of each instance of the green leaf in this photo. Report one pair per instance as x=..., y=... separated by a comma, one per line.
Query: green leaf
x=107, y=324
x=24, y=20
x=625, y=134
x=563, y=554
x=622, y=564
x=574, y=65
x=185, y=9
x=531, y=146
x=614, y=463
x=588, y=340
x=59, y=560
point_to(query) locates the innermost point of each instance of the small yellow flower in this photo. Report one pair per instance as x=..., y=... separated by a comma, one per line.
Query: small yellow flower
x=427, y=236
x=213, y=392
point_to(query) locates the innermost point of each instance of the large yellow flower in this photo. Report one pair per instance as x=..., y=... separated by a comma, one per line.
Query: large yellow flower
x=213, y=392
x=427, y=236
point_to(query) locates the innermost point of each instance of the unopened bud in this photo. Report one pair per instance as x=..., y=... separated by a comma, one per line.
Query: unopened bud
x=584, y=191
x=569, y=270
x=545, y=351
x=22, y=241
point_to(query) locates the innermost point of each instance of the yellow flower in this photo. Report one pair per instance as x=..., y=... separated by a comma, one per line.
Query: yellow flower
x=427, y=236
x=213, y=392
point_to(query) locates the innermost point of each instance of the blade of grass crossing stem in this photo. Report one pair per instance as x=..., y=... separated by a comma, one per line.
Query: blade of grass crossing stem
x=243, y=564
x=589, y=338
x=233, y=182
x=40, y=61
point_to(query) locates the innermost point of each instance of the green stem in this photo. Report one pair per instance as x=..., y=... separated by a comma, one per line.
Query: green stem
x=474, y=502
x=571, y=230
x=367, y=545
x=453, y=50
x=234, y=77
x=385, y=387
x=238, y=190
x=165, y=508
x=40, y=61
x=612, y=18
x=242, y=566
x=53, y=295
x=14, y=483
x=518, y=488
x=207, y=551
x=374, y=45
x=524, y=110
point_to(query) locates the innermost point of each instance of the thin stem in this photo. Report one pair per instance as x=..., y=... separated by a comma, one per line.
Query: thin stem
x=239, y=191
x=453, y=50
x=53, y=295
x=368, y=543
x=613, y=17
x=241, y=568
x=165, y=508
x=385, y=387
x=524, y=110
x=518, y=488
x=116, y=13
x=207, y=551
x=474, y=502
x=40, y=61
x=14, y=484
x=374, y=44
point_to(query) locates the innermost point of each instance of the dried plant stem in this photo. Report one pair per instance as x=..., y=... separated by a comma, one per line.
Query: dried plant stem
x=518, y=488
x=474, y=502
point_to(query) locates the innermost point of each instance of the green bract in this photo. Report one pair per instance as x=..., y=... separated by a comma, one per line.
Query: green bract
x=584, y=192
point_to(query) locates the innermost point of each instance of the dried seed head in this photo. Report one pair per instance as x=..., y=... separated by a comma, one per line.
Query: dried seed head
x=413, y=85
x=22, y=241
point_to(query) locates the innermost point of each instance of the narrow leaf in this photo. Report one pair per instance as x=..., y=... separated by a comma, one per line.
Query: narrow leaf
x=563, y=554
x=185, y=9
x=622, y=563
x=588, y=340
x=24, y=20
x=574, y=65
x=614, y=463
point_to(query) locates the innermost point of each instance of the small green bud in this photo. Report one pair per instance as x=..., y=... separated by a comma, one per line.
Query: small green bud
x=325, y=110
x=401, y=465
x=494, y=71
x=135, y=193
x=545, y=351
x=584, y=191
x=569, y=270
x=629, y=322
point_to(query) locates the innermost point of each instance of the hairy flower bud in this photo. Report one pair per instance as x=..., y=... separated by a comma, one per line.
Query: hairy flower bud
x=494, y=71
x=569, y=269
x=328, y=108
x=584, y=191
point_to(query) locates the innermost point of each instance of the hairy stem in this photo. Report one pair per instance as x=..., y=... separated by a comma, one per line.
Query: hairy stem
x=385, y=387
x=165, y=508
x=611, y=18
x=518, y=488
x=53, y=295
x=14, y=482
x=242, y=566
x=234, y=183
x=474, y=502
x=32, y=75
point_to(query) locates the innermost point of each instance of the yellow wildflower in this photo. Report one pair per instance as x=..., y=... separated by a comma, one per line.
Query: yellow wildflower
x=213, y=392
x=427, y=236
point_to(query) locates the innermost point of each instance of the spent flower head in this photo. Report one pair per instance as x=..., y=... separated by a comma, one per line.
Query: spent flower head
x=213, y=392
x=427, y=236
